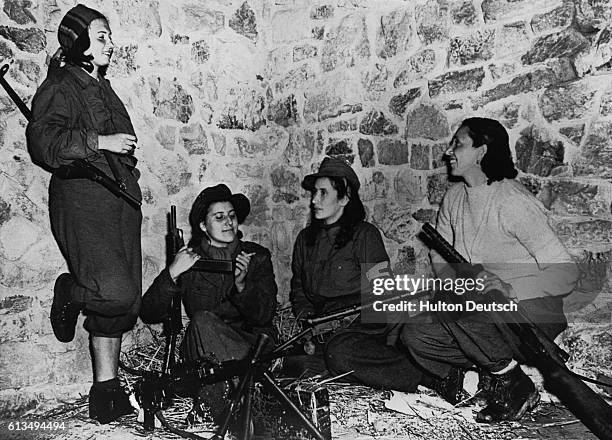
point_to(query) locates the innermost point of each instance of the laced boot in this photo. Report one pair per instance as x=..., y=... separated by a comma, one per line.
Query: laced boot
x=107, y=404
x=451, y=387
x=64, y=310
x=513, y=395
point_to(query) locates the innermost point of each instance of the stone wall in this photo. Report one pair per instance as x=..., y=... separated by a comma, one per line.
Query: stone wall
x=254, y=93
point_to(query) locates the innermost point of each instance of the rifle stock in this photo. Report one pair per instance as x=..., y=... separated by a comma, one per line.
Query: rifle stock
x=582, y=401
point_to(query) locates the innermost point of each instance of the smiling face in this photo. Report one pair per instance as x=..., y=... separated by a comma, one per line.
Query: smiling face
x=462, y=156
x=325, y=203
x=101, y=45
x=221, y=224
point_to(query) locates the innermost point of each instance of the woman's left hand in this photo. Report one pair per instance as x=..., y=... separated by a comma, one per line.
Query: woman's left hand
x=493, y=282
x=242, y=266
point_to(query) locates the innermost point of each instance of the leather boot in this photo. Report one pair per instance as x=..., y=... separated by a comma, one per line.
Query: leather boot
x=64, y=310
x=513, y=395
x=106, y=406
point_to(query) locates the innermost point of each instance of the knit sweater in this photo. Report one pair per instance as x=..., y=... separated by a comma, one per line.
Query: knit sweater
x=505, y=228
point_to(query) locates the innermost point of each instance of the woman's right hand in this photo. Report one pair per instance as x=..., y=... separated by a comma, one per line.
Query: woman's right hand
x=120, y=143
x=183, y=261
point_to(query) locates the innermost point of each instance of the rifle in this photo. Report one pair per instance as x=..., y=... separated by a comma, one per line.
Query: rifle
x=174, y=323
x=79, y=168
x=582, y=401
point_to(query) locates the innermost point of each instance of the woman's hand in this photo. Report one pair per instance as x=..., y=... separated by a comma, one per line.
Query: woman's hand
x=183, y=261
x=493, y=282
x=120, y=143
x=242, y=266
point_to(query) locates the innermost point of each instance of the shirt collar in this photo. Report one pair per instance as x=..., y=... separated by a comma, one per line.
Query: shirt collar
x=83, y=78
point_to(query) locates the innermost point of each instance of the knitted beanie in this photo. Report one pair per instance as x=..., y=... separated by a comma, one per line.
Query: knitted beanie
x=74, y=24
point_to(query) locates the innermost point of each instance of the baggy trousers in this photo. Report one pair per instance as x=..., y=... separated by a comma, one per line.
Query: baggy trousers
x=437, y=344
x=99, y=236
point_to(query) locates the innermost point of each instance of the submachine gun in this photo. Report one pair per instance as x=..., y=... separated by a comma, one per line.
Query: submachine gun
x=548, y=357
x=79, y=168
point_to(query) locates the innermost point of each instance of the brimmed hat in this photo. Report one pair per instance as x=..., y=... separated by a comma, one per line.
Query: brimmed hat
x=75, y=23
x=332, y=167
x=218, y=193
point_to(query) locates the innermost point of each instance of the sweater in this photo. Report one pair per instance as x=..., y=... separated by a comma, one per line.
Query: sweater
x=505, y=228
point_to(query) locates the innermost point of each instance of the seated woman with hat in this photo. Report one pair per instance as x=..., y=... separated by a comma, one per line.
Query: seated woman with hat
x=227, y=311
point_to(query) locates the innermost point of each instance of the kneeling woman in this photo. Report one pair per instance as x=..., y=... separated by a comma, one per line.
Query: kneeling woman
x=227, y=311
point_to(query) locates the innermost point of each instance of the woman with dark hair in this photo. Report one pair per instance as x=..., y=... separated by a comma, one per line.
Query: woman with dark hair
x=77, y=115
x=331, y=257
x=491, y=219
x=227, y=312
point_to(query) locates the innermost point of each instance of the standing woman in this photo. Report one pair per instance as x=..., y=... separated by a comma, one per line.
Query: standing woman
x=77, y=115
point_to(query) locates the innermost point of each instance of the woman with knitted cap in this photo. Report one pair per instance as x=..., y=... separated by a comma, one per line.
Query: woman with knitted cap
x=77, y=115
x=227, y=311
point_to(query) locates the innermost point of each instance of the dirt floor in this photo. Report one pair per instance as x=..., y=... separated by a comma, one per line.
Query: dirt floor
x=356, y=413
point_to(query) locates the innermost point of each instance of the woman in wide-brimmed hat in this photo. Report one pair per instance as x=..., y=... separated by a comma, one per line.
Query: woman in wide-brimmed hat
x=77, y=115
x=227, y=311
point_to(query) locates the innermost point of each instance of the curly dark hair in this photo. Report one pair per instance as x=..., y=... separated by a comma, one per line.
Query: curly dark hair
x=354, y=212
x=76, y=54
x=497, y=162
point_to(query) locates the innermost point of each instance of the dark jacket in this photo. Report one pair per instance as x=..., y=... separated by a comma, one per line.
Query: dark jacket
x=325, y=278
x=251, y=310
x=69, y=110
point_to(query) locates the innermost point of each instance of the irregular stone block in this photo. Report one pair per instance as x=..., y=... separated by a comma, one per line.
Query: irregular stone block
x=406, y=261
x=566, y=102
x=507, y=113
x=19, y=11
x=437, y=155
x=339, y=148
x=575, y=233
x=512, y=39
x=173, y=172
x=124, y=61
x=258, y=196
x=321, y=106
x=200, y=51
x=347, y=125
x=432, y=21
x=244, y=23
x=296, y=79
x=287, y=184
x=537, y=153
x=560, y=17
x=37, y=358
x=219, y=143
x=395, y=222
x=16, y=236
x=27, y=72
x=392, y=152
x=566, y=43
x=166, y=135
x=494, y=10
x=199, y=18
x=289, y=25
x=437, y=185
x=573, y=133
x=573, y=198
x=243, y=110
x=596, y=156
x=375, y=82
x=170, y=100
x=419, y=157
x=318, y=32
x=303, y=52
x=428, y=122
x=393, y=34
x=471, y=48
x=300, y=148
x=29, y=40
x=322, y=12
x=453, y=105
x=194, y=139
x=418, y=65
x=5, y=51
x=398, y=103
x=247, y=171
x=463, y=12
x=605, y=108
x=15, y=304
x=425, y=215
x=5, y=211
x=376, y=123
x=374, y=189
x=555, y=72
x=284, y=111
x=456, y=82
x=366, y=153
x=139, y=16
x=410, y=186
x=179, y=39
x=502, y=70
x=346, y=44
